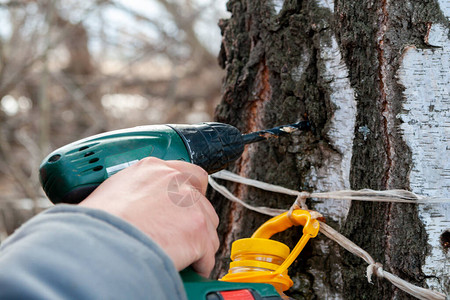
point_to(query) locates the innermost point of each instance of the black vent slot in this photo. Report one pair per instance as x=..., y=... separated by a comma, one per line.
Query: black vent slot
x=54, y=158
x=89, y=153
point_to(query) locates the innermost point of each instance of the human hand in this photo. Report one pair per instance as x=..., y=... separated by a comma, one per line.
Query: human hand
x=165, y=200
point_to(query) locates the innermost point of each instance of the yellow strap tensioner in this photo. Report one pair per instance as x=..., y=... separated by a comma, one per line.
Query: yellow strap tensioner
x=260, y=259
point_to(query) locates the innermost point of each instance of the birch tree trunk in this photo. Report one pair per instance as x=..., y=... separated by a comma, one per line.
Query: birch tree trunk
x=373, y=79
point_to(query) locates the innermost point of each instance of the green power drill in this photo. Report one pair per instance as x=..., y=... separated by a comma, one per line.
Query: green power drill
x=70, y=173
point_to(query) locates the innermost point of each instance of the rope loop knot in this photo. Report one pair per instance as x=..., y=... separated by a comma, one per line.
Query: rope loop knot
x=374, y=268
x=299, y=203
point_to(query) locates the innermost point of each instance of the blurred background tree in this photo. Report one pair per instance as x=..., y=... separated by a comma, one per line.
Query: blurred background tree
x=70, y=69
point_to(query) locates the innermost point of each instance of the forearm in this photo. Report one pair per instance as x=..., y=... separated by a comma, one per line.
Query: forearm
x=74, y=252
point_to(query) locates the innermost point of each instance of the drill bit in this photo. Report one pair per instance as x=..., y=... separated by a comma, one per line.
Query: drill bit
x=274, y=132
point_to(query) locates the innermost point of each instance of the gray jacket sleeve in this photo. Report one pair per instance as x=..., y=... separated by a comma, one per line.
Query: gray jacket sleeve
x=72, y=252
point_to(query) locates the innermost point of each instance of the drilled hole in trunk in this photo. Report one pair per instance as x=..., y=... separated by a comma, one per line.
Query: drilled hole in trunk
x=445, y=240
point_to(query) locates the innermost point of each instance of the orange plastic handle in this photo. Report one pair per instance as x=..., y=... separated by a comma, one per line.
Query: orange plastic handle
x=283, y=222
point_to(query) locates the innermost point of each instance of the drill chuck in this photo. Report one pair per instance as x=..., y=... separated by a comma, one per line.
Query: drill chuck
x=212, y=146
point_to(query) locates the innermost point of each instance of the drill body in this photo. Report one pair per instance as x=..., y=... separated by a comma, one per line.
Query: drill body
x=71, y=173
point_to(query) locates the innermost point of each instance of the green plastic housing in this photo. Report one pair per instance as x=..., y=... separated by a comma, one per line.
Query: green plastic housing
x=72, y=172
x=198, y=287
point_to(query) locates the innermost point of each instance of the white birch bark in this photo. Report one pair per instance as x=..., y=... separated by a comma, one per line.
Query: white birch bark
x=425, y=75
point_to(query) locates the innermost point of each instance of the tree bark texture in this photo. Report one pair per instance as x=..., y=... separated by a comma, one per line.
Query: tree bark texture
x=372, y=78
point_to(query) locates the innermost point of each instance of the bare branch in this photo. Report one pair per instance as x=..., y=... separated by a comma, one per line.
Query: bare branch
x=14, y=168
x=186, y=23
x=20, y=74
x=81, y=101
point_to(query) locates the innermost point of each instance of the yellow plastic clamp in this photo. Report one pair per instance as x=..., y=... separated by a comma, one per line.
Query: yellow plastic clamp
x=270, y=258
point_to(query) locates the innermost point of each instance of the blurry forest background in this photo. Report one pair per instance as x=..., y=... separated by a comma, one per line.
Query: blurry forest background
x=70, y=69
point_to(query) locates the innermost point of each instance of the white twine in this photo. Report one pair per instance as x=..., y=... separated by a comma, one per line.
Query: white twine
x=362, y=195
x=227, y=194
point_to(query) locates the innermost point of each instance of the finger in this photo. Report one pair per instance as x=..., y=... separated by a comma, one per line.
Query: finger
x=195, y=176
x=215, y=240
x=198, y=176
x=205, y=265
x=186, y=173
x=212, y=221
x=146, y=167
x=209, y=243
x=208, y=209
